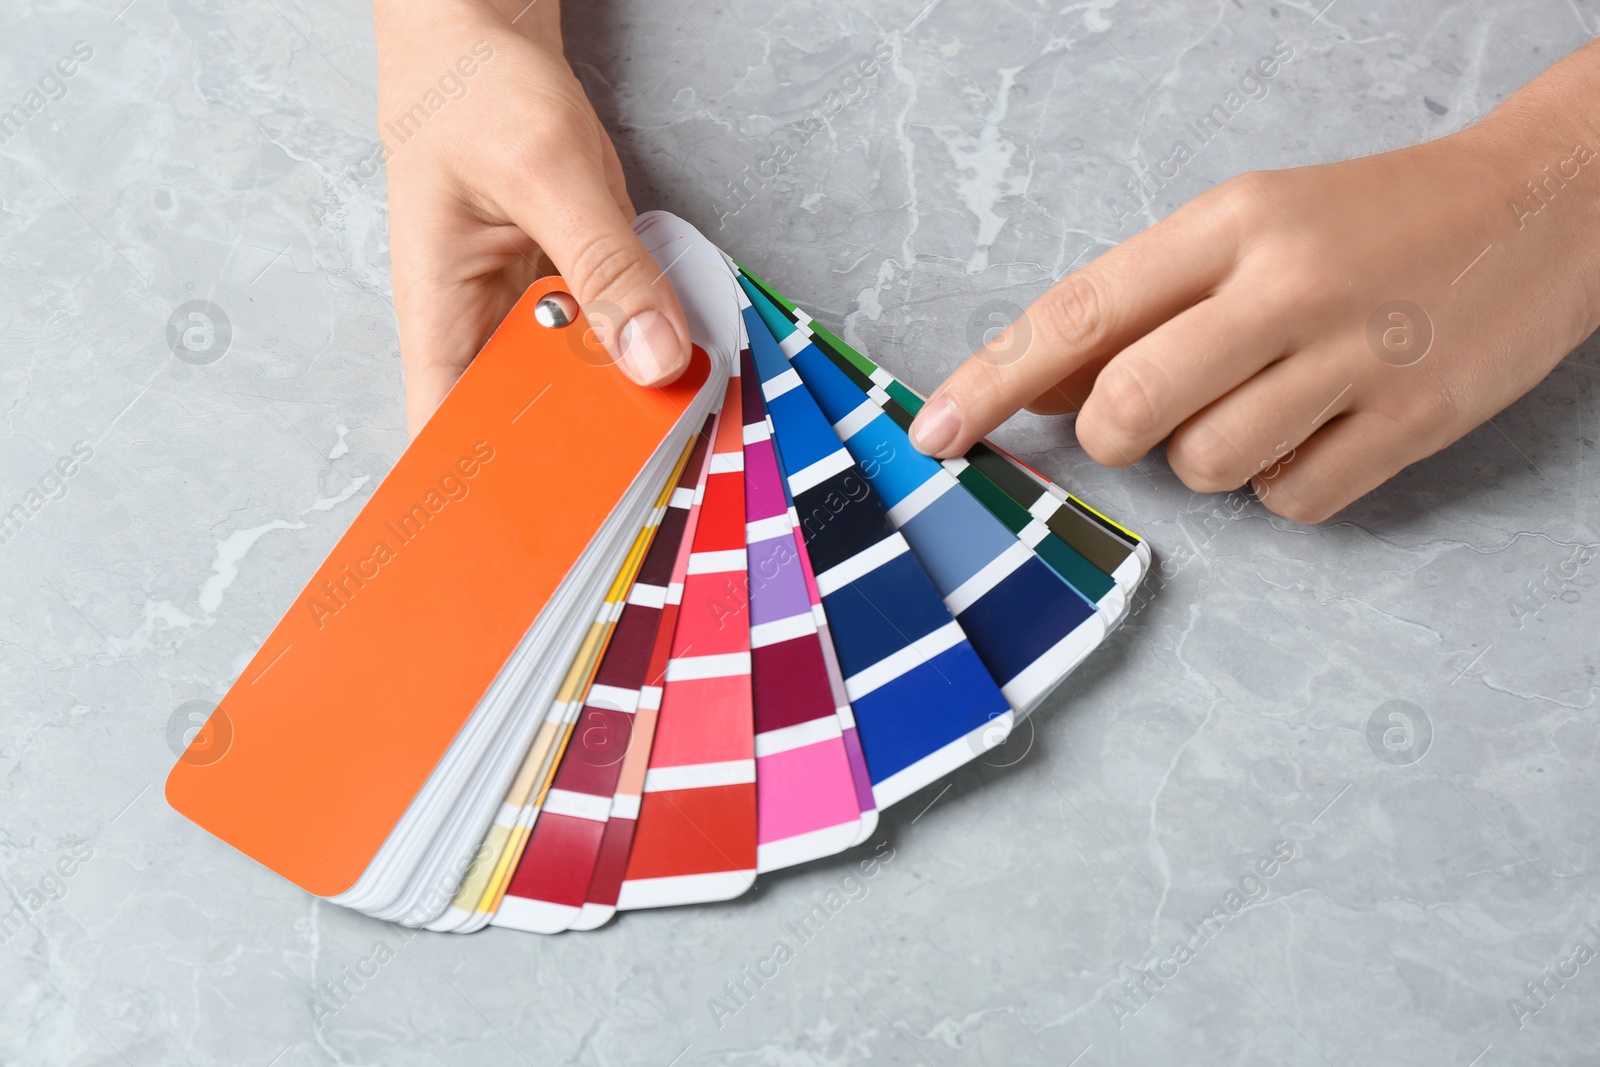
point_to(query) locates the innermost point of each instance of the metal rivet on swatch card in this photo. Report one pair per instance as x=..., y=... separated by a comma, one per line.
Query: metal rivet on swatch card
x=1399, y=333
x=1399, y=733
x=199, y=332
x=555, y=310
x=199, y=733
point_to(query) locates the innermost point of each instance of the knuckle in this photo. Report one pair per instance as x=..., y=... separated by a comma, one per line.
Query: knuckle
x=1292, y=285
x=1124, y=400
x=1300, y=298
x=1234, y=195
x=1300, y=289
x=1427, y=417
x=1433, y=411
x=553, y=118
x=1073, y=311
x=1105, y=448
x=601, y=266
x=1245, y=205
x=524, y=157
x=1307, y=509
x=1205, y=461
x=1099, y=447
x=1240, y=197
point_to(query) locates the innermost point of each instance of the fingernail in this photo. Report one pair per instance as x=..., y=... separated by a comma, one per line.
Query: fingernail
x=649, y=347
x=936, y=425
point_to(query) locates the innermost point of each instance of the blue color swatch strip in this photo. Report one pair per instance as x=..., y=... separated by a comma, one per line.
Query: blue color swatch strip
x=924, y=703
x=1028, y=625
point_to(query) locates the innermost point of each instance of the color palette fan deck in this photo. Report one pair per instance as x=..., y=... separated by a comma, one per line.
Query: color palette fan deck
x=592, y=648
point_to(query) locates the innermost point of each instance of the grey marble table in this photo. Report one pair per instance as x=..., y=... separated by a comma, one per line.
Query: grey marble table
x=1371, y=745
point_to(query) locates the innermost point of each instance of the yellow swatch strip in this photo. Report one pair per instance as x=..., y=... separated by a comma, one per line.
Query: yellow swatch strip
x=1104, y=518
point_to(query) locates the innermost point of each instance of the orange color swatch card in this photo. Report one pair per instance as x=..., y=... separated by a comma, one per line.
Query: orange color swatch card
x=391, y=667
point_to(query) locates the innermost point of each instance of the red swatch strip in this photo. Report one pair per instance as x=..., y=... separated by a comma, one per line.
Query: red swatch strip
x=696, y=839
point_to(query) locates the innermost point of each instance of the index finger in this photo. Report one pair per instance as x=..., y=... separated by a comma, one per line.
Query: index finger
x=1089, y=315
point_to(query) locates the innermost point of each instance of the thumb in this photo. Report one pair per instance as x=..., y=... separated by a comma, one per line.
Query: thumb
x=623, y=292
